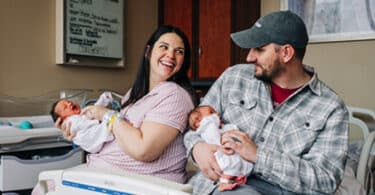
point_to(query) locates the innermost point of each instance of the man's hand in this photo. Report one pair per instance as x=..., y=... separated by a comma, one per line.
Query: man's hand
x=235, y=141
x=204, y=156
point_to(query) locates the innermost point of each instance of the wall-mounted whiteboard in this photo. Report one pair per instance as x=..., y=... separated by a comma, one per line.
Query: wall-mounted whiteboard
x=90, y=32
x=94, y=27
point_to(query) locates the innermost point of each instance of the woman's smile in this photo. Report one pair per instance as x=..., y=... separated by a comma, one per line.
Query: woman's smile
x=168, y=63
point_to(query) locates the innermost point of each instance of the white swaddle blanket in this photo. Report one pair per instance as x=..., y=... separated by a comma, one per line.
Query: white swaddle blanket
x=91, y=134
x=210, y=131
x=104, y=99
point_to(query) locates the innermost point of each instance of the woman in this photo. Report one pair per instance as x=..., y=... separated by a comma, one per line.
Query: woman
x=149, y=130
x=149, y=140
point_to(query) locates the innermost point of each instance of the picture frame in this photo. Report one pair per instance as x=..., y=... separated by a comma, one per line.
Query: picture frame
x=335, y=20
x=90, y=33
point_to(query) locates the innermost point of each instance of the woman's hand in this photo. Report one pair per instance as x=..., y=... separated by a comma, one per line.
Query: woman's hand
x=204, y=156
x=235, y=141
x=65, y=128
x=58, y=123
x=94, y=112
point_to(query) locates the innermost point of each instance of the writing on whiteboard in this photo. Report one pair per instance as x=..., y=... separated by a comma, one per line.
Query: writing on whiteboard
x=94, y=28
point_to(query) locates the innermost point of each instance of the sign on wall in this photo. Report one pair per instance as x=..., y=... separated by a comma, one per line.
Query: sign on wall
x=94, y=28
x=90, y=32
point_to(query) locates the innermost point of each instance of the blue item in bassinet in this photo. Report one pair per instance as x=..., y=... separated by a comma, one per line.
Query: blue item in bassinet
x=25, y=125
x=8, y=124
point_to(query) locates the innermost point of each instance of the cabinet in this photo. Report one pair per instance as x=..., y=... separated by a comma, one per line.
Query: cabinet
x=208, y=24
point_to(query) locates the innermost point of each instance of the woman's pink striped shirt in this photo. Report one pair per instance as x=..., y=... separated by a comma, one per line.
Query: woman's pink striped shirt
x=168, y=104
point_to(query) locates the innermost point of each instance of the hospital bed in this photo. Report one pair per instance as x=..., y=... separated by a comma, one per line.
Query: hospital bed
x=83, y=180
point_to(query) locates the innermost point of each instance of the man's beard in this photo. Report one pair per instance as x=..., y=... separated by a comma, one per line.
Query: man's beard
x=263, y=77
x=267, y=75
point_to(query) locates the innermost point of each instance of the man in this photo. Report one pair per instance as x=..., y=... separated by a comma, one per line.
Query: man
x=293, y=127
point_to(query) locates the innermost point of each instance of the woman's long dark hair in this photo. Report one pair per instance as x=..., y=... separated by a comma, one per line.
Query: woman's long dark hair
x=141, y=84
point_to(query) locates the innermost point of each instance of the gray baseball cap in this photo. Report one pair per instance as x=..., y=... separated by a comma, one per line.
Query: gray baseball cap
x=281, y=27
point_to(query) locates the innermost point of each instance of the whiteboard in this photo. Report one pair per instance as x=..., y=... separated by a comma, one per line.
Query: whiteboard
x=94, y=28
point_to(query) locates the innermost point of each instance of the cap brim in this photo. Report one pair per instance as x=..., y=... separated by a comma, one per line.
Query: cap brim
x=250, y=38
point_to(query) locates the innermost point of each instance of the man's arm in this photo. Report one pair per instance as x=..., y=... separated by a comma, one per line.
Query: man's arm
x=319, y=170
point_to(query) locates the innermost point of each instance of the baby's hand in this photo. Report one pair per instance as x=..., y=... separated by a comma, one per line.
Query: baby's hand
x=94, y=112
x=105, y=99
x=224, y=141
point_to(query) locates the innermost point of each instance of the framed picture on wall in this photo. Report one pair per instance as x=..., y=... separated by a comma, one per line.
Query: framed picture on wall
x=335, y=20
x=90, y=32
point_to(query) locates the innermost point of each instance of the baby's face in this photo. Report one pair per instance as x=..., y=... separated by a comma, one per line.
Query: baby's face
x=65, y=108
x=197, y=115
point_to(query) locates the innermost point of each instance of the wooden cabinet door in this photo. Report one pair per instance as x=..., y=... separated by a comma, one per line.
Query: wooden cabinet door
x=179, y=14
x=214, y=38
x=208, y=24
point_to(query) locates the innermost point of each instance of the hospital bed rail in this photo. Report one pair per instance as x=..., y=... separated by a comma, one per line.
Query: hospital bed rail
x=364, y=119
x=88, y=181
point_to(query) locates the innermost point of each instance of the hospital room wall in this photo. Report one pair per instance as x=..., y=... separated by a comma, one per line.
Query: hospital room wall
x=347, y=67
x=27, y=47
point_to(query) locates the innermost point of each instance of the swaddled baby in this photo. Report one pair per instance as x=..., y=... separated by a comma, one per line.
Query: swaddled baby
x=90, y=134
x=206, y=122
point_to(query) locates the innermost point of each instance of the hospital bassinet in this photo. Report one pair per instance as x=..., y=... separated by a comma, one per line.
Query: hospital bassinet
x=24, y=153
